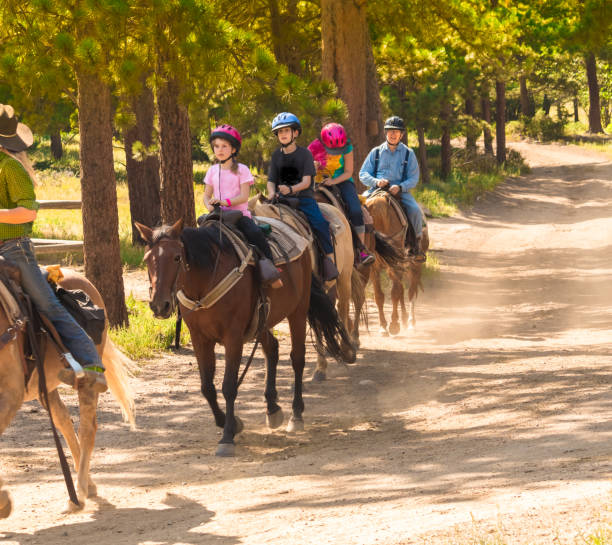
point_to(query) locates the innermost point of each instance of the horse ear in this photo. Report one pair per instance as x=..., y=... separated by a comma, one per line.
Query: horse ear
x=177, y=228
x=145, y=232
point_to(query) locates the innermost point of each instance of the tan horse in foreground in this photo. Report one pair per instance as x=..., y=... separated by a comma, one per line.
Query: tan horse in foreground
x=344, y=258
x=13, y=392
x=387, y=221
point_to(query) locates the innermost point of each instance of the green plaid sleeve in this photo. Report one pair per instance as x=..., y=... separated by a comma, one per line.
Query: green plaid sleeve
x=19, y=185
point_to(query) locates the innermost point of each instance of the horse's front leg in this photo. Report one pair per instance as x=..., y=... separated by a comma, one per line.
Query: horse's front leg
x=205, y=354
x=397, y=295
x=274, y=413
x=233, y=356
x=379, y=297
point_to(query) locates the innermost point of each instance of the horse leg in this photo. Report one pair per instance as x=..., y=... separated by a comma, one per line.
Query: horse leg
x=349, y=353
x=274, y=413
x=297, y=328
x=320, y=372
x=205, y=355
x=63, y=422
x=397, y=294
x=233, y=356
x=12, y=390
x=379, y=297
x=358, y=296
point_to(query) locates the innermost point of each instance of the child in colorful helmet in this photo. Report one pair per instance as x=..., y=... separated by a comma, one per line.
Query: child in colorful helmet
x=227, y=185
x=291, y=173
x=337, y=169
x=393, y=165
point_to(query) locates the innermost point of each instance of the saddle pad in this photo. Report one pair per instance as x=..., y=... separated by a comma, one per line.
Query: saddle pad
x=287, y=215
x=286, y=244
x=9, y=304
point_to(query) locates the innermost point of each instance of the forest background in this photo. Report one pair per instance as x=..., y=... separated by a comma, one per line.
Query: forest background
x=153, y=77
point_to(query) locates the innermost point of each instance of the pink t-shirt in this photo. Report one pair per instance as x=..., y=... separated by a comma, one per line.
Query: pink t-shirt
x=227, y=185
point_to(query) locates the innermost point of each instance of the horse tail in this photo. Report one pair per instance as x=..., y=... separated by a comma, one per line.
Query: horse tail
x=117, y=373
x=387, y=252
x=358, y=297
x=324, y=321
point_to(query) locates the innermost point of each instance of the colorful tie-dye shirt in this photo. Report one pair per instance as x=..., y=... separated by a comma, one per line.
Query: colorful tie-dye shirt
x=334, y=165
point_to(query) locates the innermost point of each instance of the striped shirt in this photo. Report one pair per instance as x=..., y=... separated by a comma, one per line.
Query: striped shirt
x=16, y=189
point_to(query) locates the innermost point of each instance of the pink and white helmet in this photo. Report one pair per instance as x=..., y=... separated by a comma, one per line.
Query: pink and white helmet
x=334, y=137
x=229, y=133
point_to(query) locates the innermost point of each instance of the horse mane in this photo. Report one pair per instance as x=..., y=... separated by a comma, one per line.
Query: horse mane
x=200, y=245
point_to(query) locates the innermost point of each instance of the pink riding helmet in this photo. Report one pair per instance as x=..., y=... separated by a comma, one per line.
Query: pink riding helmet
x=229, y=133
x=334, y=138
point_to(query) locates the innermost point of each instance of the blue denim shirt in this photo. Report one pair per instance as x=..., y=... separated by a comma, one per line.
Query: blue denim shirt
x=390, y=167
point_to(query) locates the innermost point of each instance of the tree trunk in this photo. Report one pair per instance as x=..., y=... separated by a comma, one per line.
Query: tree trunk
x=142, y=175
x=576, y=118
x=424, y=167
x=347, y=61
x=500, y=120
x=56, y=144
x=470, y=134
x=594, y=105
x=525, y=103
x=446, y=149
x=281, y=25
x=485, y=103
x=176, y=167
x=99, y=195
x=546, y=104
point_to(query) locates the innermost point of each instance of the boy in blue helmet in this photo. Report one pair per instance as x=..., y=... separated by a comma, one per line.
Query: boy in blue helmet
x=393, y=165
x=292, y=173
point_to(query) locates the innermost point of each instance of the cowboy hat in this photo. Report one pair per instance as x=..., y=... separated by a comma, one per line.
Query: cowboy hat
x=14, y=136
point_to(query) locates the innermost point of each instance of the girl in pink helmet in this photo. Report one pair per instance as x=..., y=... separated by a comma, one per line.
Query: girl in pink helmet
x=227, y=186
x=336, y=169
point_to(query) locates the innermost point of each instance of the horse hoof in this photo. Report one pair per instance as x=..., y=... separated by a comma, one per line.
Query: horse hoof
x=394, y=328
x=275, y=419
x=239, y=424
x=73, y=508
x=6, y=505
x=226, y=450
x=319, y=376
x=349, y=354
x=295, y=424
x=92, y=490
x=383, y=331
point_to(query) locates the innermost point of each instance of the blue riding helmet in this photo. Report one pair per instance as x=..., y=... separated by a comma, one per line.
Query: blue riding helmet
x=286, y=119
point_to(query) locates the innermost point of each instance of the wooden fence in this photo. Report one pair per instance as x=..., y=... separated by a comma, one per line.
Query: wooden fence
x=53, y=246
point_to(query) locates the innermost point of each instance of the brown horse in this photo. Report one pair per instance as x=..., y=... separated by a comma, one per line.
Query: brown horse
x=377, y=244
x=387, y=221
x=344, y=258
x=196, y=262
x=13, y=392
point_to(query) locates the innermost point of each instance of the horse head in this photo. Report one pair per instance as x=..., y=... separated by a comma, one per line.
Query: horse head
x=164, y=257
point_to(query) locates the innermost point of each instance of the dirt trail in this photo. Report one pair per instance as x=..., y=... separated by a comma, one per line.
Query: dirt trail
x=498, y=408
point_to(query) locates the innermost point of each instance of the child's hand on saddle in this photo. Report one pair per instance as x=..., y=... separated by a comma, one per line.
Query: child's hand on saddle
x=395, y=190
x=328, y=182
x=382, y=183
x=284, y=189
x=213, y=201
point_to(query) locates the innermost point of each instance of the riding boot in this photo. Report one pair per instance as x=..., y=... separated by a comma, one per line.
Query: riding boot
x=416, y=254
x=268, y=273
x=94, y=377
x=330, y=272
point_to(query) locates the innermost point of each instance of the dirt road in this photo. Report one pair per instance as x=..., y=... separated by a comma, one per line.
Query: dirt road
x=493, y=418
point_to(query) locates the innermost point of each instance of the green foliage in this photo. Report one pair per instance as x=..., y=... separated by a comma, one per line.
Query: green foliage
x=146, y=336
x=542, y=127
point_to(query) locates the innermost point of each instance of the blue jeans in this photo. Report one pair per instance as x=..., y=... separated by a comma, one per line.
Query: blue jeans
x=21, y=253
x=349, y=195
x=319, y=224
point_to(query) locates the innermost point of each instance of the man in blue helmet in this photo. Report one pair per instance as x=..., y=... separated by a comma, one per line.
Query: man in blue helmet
x=393, y=165
x=292, y=173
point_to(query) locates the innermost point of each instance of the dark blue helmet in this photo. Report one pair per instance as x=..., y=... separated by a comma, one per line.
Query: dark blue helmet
x=395, y=122
x=286, y=119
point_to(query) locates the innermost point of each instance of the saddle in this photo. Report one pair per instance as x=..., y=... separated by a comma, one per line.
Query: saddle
x=406, y=234
x=334, y=197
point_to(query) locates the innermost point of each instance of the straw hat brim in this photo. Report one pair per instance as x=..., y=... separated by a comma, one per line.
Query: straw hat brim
x=21, y=140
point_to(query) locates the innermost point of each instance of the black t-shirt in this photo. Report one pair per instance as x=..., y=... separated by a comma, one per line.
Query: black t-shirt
x=290, y=168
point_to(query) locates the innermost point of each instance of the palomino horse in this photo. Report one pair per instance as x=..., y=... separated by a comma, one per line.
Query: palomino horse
x=387, y=221
x=13, y=392
x=344, y=258
x=196, y=262
x=376, y=244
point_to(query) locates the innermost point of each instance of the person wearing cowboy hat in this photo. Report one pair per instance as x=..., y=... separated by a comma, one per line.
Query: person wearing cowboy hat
x=18, y=210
